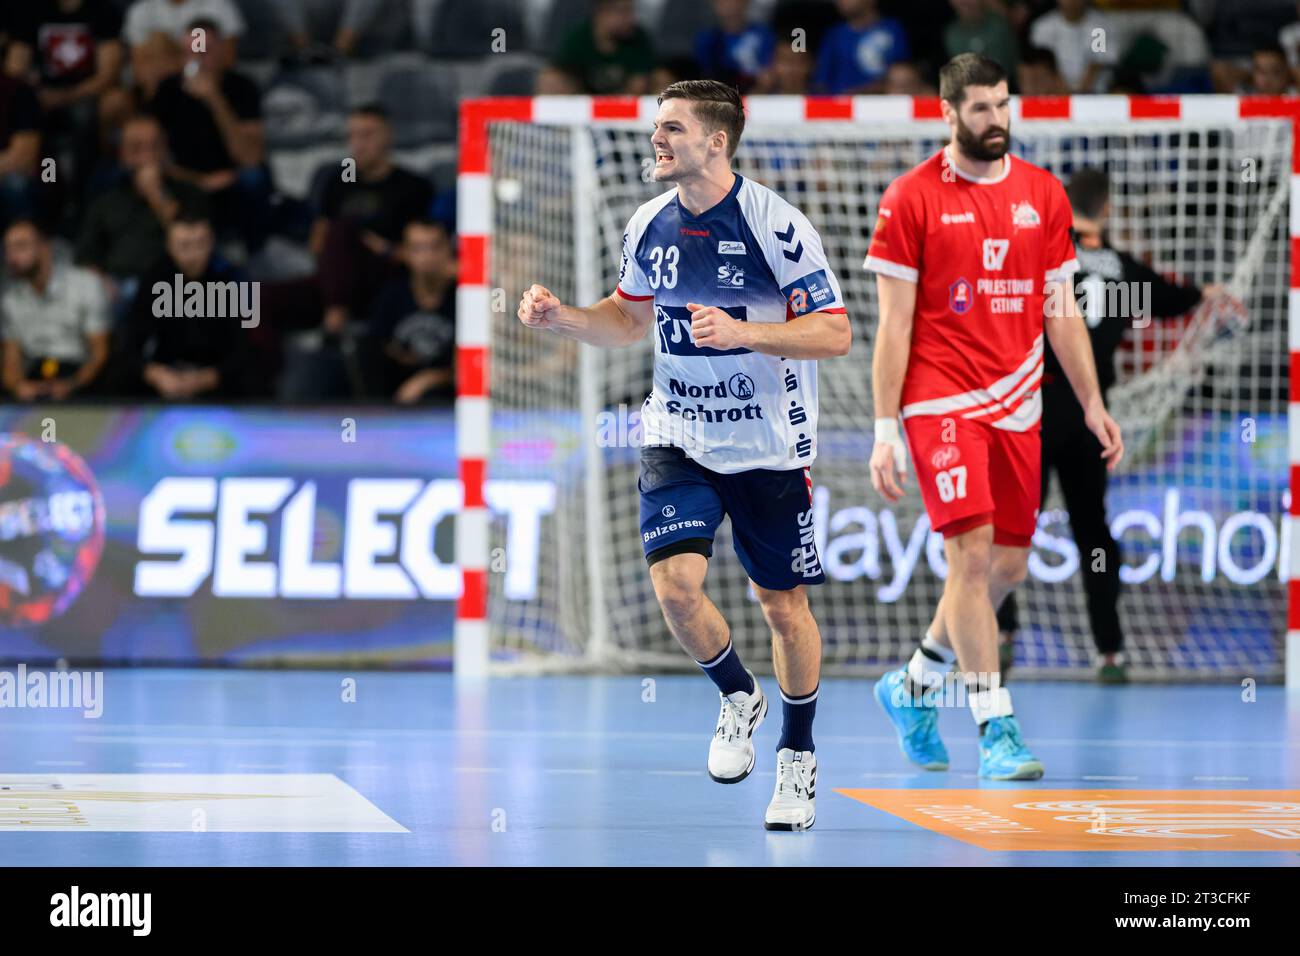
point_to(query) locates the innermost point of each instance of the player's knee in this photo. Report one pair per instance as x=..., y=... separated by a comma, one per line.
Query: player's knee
x=784, y=610
x=970, y=561
x=1009, y=573
x=679, y=594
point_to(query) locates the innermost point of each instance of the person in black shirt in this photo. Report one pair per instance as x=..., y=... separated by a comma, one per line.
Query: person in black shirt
x=1069, y=448
x=412, y=328
x=364, y=206
x=214, y=125
x=124, y=232
x=70, y=51
x=185, y=358
x=20, y=147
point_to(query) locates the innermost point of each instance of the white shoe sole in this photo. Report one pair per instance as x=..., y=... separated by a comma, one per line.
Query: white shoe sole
x=768, y=825
x=753, y=757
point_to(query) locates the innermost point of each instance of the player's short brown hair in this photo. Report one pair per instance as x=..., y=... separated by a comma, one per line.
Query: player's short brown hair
x=716, y=104
x=968, y=69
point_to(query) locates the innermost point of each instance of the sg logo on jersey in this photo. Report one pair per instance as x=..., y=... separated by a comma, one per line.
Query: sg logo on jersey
x=960, y=296
x=730, y=276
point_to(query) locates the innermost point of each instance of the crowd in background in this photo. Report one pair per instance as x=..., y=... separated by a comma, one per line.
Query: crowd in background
x=308, y=146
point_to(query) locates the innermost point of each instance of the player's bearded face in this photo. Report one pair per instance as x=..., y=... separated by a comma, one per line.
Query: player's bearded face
x=987, y=146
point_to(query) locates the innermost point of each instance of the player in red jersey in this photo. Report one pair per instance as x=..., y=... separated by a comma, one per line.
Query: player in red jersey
x=973, y=259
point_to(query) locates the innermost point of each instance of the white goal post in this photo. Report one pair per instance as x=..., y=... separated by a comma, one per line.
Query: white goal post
x=1204, y=188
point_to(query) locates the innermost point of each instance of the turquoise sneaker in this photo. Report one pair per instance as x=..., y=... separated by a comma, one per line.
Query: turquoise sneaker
x=917, y=724
x=1003, y=755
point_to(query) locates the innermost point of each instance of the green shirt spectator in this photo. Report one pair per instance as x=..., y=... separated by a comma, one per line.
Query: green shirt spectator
x=608, y=53
x=979, y=29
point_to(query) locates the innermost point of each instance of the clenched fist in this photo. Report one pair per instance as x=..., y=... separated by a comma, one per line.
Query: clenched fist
x=539, y=308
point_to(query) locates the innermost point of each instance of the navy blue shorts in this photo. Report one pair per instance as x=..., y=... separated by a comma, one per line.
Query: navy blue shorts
x=682, y=504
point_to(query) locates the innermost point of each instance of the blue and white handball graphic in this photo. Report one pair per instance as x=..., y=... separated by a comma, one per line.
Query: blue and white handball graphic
x=51, y=529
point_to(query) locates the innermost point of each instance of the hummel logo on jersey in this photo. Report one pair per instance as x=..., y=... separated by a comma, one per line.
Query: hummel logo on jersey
x=728, y=248
x=957, y=217
x=1024, y=215
x=795, y=254
x=730, y=276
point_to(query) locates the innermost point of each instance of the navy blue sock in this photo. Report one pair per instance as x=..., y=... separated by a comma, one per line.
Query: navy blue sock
x=728, y=673
x=797, y=715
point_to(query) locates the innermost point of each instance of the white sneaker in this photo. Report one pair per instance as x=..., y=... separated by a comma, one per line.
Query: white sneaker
x=793, y=806
x=731, y=752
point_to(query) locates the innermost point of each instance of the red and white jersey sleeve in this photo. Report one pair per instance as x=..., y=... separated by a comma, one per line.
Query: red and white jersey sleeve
x=899, y=236
x=1060, y=244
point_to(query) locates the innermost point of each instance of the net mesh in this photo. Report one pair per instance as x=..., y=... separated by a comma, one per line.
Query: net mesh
x=1197, y=505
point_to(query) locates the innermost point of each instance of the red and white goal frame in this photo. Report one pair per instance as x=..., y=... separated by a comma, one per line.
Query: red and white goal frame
x=473, y=295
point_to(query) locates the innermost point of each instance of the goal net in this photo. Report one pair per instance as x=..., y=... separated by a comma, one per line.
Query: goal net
x=1197, y=506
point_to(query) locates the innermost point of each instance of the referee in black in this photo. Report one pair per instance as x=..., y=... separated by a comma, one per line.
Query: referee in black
x=1069, y=448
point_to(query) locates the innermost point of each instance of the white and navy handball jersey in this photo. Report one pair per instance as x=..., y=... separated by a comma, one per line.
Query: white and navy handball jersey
x=759, y=259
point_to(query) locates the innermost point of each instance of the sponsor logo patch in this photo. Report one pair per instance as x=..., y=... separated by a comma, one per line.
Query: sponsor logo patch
x=727, y=247
x=810, y=293
x=945, y=456
x=673, y=326
x=1024, y=215
x=960, y=296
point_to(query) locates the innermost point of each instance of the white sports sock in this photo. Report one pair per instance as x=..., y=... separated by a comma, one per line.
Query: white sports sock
x=925, y=671
x=987, y=704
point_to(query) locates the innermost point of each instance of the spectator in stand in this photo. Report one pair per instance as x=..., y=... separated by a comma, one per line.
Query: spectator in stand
x=904, y=79
x=738, y=49
x=213, y=120
x=356, y=17
x=790, y=73
x=176, y=19
x=981, y=28
x=124, y=232
x=856, y=54
x=924, y=23
x=1288, y=39
x=609, y=52
x=1269, y=73
x=355, y=239
x=1084, y=42
x=20, y=149
x=673, y=69
x=70, y=51
x=8, y=24
x=1037, y=74
x=53, y=320
x=181, y=358
x=413, y=322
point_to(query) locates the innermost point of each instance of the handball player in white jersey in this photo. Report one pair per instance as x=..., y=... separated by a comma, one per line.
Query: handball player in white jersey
x=735, y=283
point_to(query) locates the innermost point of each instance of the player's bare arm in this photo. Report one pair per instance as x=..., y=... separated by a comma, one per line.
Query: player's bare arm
x=1068, y=336
x=612, y=322
x=817, y=335
x=888, y=366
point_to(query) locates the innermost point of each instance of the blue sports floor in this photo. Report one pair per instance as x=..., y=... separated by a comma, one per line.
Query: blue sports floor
x=610, y=770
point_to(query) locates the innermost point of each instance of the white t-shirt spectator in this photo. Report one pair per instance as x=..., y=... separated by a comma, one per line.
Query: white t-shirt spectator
x=1289, y=40
x=147, y=17
x=54, y=324
x=1073, y=42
